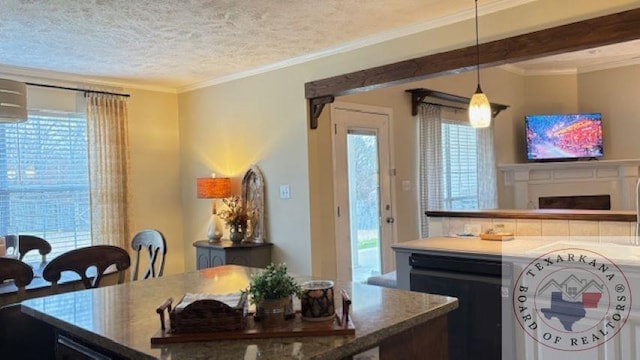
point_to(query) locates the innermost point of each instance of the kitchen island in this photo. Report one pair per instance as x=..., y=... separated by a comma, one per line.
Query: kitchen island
x=120, y=320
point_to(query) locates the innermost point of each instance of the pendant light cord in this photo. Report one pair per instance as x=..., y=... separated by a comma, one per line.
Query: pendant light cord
x=477, y=47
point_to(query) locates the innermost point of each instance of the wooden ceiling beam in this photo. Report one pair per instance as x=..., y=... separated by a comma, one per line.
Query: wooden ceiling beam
x=600, y=31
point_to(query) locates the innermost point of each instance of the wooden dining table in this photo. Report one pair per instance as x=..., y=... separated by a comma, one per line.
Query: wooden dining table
x=38, y=287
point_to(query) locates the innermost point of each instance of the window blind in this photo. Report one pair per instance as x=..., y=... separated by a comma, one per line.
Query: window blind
x=44, y=181
x=460, y=166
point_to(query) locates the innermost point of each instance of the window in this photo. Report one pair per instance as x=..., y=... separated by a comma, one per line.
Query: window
x=44, y=181
x=459, y=167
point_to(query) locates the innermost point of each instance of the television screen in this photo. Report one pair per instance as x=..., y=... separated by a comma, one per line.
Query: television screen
x=564, y=136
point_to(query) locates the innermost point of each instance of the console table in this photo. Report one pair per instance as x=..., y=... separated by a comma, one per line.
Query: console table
x=224, y=252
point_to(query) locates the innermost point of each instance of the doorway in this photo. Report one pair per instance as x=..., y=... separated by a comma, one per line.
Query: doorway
x=363, y=179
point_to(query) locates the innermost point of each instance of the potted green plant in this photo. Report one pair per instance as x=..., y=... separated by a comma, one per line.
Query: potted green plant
x=271, y=291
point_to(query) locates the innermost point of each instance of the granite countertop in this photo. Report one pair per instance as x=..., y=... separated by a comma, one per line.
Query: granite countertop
x=123, y=318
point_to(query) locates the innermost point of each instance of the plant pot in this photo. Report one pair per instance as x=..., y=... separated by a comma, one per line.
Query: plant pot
x=236, y=233
x=272, y=312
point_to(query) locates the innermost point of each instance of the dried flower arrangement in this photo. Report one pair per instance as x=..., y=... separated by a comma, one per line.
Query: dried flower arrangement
x=236, y=214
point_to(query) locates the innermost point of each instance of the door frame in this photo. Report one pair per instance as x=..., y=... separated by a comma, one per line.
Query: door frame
x=389, y=260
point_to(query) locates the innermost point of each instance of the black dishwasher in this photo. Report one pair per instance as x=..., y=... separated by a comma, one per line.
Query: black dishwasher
x=475, y=328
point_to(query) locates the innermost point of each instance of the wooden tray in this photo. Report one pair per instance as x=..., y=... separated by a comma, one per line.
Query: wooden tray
x=253, y=330
x=497, y=236
x=341, y=324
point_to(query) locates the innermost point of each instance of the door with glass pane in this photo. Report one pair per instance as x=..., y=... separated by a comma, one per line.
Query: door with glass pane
x=364, y=213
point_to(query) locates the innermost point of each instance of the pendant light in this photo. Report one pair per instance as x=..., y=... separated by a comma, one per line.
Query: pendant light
x=479, y=107
x=13, y=101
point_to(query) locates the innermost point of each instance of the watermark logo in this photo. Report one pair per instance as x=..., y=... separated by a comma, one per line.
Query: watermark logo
x=572, y=299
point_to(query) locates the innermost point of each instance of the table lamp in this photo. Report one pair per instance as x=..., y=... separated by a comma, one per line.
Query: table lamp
x=213, y=188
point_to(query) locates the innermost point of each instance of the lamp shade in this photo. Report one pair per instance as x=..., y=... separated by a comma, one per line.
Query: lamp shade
x=13, y=101
x=213, y=188
x=479, y=110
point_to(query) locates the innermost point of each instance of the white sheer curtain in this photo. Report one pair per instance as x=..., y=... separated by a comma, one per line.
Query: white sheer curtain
x=430, y=158
x=431, y=161
x=108, y=169
x=487, y=188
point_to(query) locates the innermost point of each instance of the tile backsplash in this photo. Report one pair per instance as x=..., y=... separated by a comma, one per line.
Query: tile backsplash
x=604, y=231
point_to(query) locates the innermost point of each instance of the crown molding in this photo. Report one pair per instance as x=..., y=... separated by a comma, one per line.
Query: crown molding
x=492, y=7
x=515, y=69
x=609, y=65
x=66, y=79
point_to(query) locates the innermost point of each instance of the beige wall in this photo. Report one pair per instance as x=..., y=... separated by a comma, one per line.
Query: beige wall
x=614, y=93
x=228, y=127
x=263, y=119
x=155, y=170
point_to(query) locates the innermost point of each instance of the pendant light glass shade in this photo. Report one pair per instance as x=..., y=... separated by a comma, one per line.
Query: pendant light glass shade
x=479, y=110
x=13, y=101
x=479, y=106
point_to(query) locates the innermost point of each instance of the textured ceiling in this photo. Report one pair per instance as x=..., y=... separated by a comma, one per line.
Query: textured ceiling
x=176, y=43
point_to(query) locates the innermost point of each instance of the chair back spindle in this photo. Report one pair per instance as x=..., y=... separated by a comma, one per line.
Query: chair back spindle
x=155, y=245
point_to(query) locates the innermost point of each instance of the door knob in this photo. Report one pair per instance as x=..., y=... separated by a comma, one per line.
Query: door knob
x=390, y=220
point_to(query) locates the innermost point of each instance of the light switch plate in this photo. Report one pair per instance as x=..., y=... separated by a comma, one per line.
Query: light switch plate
x=406, y=185
x=285, y=191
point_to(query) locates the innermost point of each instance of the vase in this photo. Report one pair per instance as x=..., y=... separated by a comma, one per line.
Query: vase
x=236, y=233
x=317, y=301
x=272, y=312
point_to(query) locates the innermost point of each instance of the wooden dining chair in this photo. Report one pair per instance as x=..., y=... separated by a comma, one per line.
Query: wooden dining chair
x=156, y=246
x=19, y=272
x=80, y=260
x=32, y=242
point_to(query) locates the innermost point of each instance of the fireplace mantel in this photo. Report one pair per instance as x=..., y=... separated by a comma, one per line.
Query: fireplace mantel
x=530, y=181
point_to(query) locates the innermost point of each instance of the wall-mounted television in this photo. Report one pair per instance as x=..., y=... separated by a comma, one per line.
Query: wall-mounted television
x=557, y=137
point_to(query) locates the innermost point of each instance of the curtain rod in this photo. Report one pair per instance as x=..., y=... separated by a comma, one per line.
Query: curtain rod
x=76, y=89
x=418, y=95
x=443, y=105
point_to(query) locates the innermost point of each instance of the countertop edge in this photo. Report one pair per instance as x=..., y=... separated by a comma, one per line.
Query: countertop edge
x=543, y=214
x=449, y=252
